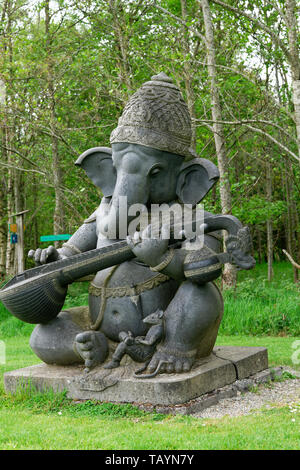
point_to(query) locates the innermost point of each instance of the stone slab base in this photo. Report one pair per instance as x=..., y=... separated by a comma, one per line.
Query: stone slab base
x=213, y=398
x=224, y=366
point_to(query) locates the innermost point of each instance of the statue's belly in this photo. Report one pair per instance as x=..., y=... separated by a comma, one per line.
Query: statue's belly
x=120, y=297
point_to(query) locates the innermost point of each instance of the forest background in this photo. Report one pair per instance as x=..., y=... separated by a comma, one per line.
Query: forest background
x=68, y=68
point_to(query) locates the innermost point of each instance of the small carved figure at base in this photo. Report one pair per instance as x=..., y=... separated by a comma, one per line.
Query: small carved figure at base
x=126, y=339
x=140, y=348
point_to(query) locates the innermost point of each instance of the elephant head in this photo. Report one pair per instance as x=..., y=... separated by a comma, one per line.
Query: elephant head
x=145, y=176
x=151, y=161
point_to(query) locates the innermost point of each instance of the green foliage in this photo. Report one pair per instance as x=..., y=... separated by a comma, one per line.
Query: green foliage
x=286, y=375
x=50, y=402
x=254, y=307
x=33, y=420
x=77, y=295
x=11, y=326
x=258, y=307
x=95, y=60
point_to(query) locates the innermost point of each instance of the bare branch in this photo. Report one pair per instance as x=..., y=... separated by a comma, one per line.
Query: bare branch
x=180, y=20
x=275, y=141
x=291, y=259
x=20, y=155
x=255, y=20
x=22, y=169
x=249, y=121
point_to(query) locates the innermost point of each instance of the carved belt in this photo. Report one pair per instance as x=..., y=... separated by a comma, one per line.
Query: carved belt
x=129, y=291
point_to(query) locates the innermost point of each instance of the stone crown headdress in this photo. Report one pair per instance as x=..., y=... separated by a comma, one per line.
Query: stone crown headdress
x=156, y=116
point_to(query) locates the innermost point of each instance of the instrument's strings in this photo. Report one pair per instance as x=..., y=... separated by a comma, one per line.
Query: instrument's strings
x=4, y=281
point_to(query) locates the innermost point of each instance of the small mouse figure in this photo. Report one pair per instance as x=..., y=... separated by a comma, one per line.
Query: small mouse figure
x=141, y=348
x=156, y=331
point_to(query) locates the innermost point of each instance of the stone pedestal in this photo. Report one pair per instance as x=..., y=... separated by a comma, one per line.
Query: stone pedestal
x=223, y=367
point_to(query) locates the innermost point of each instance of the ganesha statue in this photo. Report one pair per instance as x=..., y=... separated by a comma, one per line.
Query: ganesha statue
x=161, y=306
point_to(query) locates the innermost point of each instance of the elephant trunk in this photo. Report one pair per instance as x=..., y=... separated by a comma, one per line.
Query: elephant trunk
x=130, y=197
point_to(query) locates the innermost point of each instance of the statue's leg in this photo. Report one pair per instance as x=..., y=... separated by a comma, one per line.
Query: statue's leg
x=117, y=356
x=56, y=341
x=192, y=320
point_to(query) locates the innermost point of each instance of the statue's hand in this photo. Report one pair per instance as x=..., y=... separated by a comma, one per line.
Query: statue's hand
x=239, y=247
x=46, y=255
x=149, y=250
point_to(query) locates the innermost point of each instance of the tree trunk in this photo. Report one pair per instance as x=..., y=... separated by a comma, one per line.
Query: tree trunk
x=293, y=217
x=122, y=46
x=3, y=229
x=259, y=245
x=290, y=234
x=269, y=223
x=293, y=38
x=10, y=248
x=188, y=73
x=229, y=273
x=3, y=188
x=59, y=212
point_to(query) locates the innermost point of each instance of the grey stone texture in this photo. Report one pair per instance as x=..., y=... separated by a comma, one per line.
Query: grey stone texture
x=203, y=386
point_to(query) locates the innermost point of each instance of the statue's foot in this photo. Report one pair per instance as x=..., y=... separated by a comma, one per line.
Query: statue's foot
x=112, y=364
x=171, y=361
x=92, y=347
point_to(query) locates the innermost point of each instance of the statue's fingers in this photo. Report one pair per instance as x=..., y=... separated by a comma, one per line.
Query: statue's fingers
x=163, y=367
x=136, y=237
x=86, y=346
x=153, y=364
x=37, y=255
x=129, y=241
x=43, y=257
x=83, y=337
x=165, y=232
x=182, y=234
x=147, y=231
x=134, y=240
x=30, y=254
x=52, y=252
x=88, y=364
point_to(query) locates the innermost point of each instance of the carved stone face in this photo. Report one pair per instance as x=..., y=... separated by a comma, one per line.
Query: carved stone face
x=144, y=174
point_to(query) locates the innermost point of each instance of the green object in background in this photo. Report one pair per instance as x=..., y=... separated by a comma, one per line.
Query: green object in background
x=53, y=238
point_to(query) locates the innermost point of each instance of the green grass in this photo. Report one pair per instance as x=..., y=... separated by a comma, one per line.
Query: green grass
x=12, y=327
x=280, y=349
x=52, y=421
x=271, y=429
x=259, y=307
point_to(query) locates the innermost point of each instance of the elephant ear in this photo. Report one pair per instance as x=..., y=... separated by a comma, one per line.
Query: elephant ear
x=98, y=165
x=196, y=178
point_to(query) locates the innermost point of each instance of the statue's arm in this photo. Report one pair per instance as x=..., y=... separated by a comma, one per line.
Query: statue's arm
x=204, y=264
x=198, y=263
x=84, y=239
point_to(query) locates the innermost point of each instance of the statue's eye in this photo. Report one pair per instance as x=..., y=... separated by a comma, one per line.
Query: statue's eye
x=155, y=170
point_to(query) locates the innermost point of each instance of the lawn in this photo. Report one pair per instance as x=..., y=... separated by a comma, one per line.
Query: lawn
x=35, y=421
x=53, y=422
